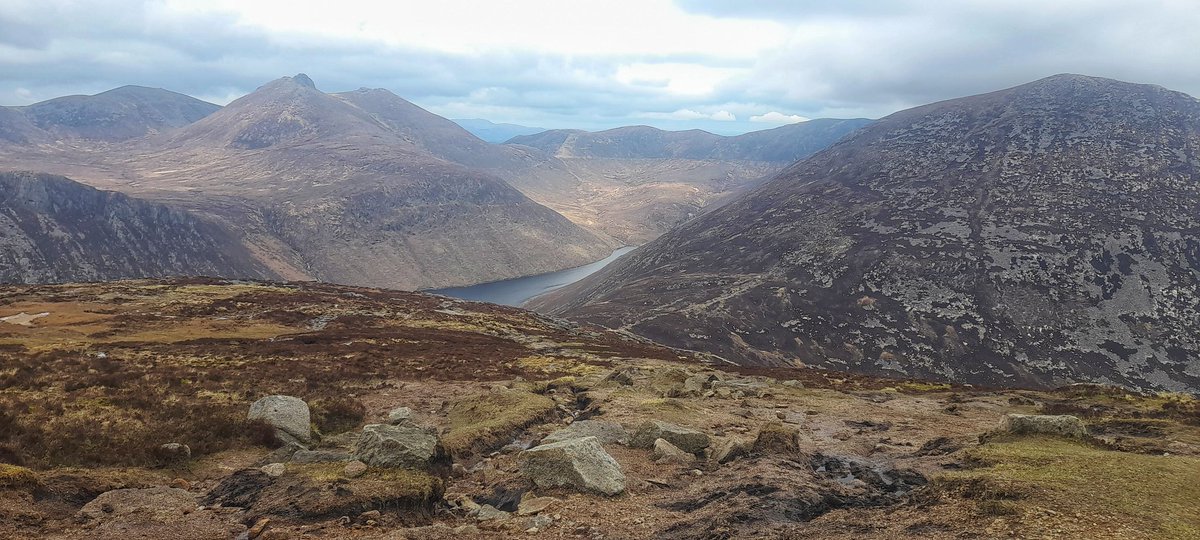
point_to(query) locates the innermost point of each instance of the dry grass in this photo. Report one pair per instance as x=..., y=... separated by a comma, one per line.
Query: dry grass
x=1084, y=486
x=487, y=420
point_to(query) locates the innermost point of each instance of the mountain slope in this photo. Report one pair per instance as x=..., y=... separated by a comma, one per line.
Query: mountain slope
x=55, y=230
x=116, y=115
x=349, y=188
x=785, y=143
x=1036, y=235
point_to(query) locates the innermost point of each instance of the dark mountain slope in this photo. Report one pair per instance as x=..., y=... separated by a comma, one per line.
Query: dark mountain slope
x=56, y=230
x=1041, y=234
x=116, y=115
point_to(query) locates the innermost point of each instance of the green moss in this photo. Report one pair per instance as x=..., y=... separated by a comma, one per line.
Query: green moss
x=1154, y=495
x=14, y=477
x=481, y=422
x=919, y=387
x=383, y=485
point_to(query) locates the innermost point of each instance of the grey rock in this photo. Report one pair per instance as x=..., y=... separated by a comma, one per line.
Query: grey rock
x=1039, y=424
x=175, y=452
x=407, y=447
x=289, y=415
x=579, y=463
x=665, y=452
x=274, y=470
x=488, y=512
x=687, y=439
x=606, y=432
x=400, y=415
x=730, y=449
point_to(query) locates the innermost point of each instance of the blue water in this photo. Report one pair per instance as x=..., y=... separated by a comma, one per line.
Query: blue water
x=517, y=291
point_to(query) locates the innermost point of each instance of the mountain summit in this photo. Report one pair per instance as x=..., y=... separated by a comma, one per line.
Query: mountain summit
x=1033, y=236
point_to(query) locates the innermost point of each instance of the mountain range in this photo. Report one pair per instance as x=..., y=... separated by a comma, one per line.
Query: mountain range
x=1033, y=236
x=495, y=132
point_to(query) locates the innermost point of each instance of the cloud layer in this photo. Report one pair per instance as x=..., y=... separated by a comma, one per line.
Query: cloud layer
x=727, y=66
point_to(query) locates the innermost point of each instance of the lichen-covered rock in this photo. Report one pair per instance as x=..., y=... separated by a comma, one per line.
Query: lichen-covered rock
x=400, y=415
x=687, y=439
x=288, y=415
x=665, y=452
x=1063, y=425
x=404, y=446
x=579, y=463
x=729, y=449
x=606, y=432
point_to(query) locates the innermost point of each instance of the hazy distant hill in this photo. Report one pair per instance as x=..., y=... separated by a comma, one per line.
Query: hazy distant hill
x=496, y=133
x=116, y=115
x=1036, y=235
x=785, y=143
x=55, y=230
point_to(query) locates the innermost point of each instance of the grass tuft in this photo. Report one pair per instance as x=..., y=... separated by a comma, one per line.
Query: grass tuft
x=485, y=421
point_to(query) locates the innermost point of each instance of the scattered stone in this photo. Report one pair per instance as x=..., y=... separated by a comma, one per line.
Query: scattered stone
x=938, y=446
x=354, y=469
x=695, y=385
x=665, y=452
x=274, y=470
x=180, y=483
x=458, y=470
x=774, y=437
x=370, y=516
x=606, y=432
x=400, y=415
x=320, y=456
x=579, y=463
x=407, y=447
x=281, y=454
x=1037, y=424
x=157, y=500
x=697, y=472
x=793, y=383
x=288, y=415
x=687, y=439
x=730, y=449
x=488, y=512
x=258, y=528
x=534, y=505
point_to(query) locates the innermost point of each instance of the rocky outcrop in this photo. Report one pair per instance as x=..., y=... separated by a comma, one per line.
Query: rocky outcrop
x=605, y=432
x=687, y=439
x=1033, y=236
x=288, y=415
x=403, y=446
x=578, y=463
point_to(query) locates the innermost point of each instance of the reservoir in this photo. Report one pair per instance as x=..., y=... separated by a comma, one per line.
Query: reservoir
x=517, y=291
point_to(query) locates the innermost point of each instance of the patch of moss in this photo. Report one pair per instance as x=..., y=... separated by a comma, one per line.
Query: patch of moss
x=14, y=477
x=669, y=409
x=481, y=422
x=1153, y=496
x=922, y=386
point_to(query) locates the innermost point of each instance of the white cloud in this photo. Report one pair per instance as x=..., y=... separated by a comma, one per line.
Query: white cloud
x=724, y=116
x=774, y=117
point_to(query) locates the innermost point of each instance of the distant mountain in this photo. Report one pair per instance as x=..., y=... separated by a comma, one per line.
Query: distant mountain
x=496, y=133
x=785, y=144
x=56, y=230
x=356, y=188
x=1038, y=235
x=116, y=115
x=634, y=183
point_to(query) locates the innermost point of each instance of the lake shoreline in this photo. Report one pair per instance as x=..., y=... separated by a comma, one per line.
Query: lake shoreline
x=519, y=291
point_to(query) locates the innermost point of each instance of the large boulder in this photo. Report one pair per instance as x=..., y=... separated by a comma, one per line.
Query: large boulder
x=167, y=501
x=288, y=415
x=687, y=439
x=606, y=432
x=578, y=463
x=403, y=447
x=1063, y=425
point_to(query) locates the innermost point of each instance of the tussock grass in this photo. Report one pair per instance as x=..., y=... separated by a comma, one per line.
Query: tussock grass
x=1151, y=496
x=484, y=421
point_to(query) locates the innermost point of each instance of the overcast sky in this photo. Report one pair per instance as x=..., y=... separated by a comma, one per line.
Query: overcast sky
x=727, y=66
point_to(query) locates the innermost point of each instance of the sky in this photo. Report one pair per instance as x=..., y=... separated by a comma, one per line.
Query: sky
x=726, y=66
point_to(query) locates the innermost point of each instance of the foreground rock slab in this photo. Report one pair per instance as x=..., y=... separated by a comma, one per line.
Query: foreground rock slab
x=578, y=463
x=403, y=446
x=687, y=439
x=606, y=432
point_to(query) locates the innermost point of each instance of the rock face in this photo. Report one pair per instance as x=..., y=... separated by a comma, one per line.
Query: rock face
x=403, y=446
x=1033, y=236
x=687, y=439
x=579, y=463
x=1063, y=425
x=55, y=230
x=289, y=415
x=605, y=432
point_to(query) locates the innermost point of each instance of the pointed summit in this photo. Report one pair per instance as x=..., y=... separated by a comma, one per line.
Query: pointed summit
x=304, y=80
